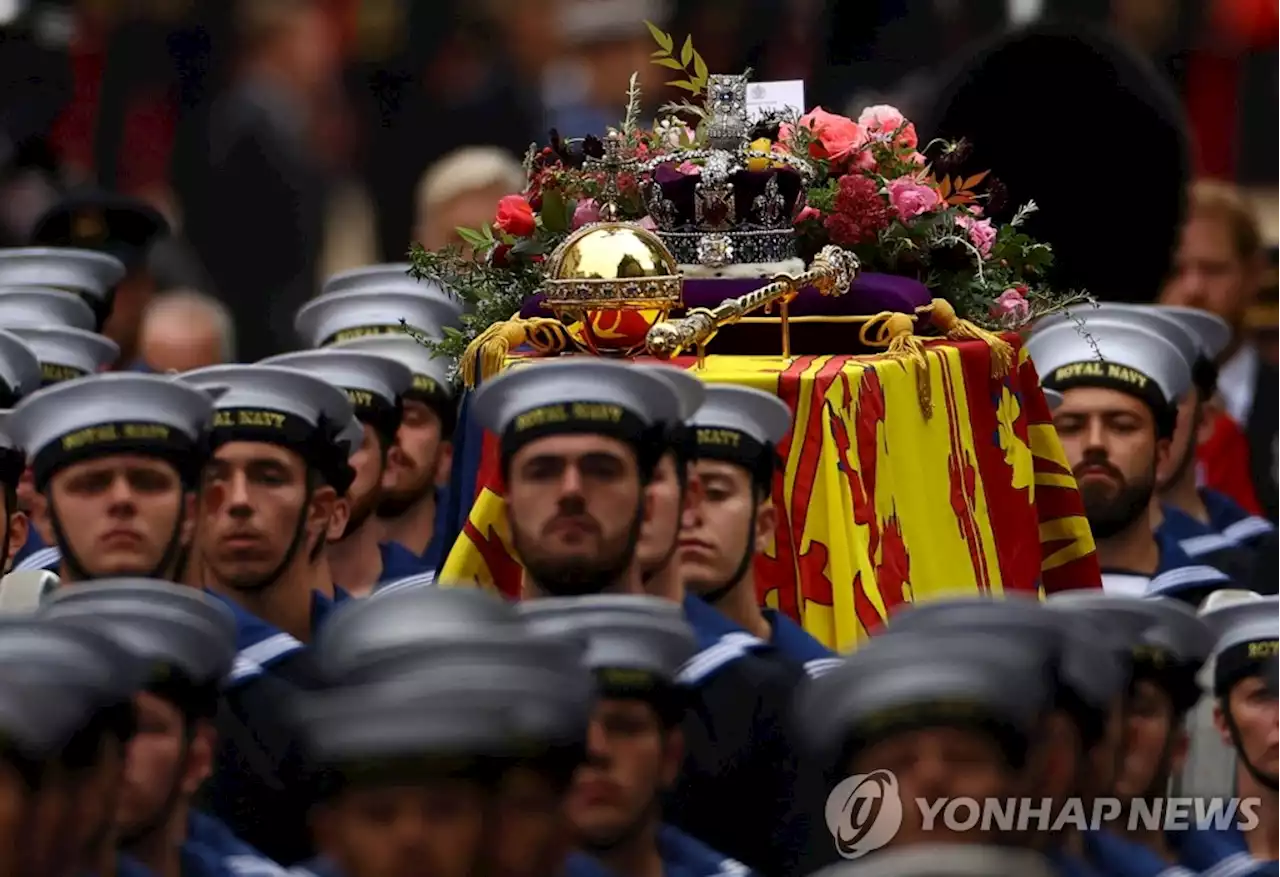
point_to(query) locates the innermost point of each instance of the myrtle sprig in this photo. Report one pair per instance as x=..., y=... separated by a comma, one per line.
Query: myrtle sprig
x=690, y=62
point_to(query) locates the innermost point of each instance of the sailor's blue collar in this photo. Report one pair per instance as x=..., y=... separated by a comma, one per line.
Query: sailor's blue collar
x=1115, y=856
x=1193, y=538
x=720, y=641
x=1229, y=518
x=1175, y=574
x=399, y=562
x=260, y=644
x=686, y=856
x=1217, y=851
x=798, y=644
x=210, y=850
x=1069, y=865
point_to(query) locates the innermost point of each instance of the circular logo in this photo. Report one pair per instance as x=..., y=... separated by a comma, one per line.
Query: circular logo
x=864, y=813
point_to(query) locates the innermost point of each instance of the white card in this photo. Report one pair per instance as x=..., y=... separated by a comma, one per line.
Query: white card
x=785, y=96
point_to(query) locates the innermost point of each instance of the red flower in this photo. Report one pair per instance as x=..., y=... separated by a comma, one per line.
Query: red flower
x=515, y=216
x=860, y=212
x=500, y=256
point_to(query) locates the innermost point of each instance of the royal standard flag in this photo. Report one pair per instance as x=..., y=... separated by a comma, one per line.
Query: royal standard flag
x=883, y=499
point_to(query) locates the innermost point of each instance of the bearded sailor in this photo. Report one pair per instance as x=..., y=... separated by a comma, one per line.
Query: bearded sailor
x=364, y=311
x=280, y=445
x=1121, y=383
x=116, y=459
x=736, y=432
x=375, y=385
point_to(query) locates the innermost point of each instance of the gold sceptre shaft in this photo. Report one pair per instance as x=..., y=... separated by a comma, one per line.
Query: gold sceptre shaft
x=831, y=273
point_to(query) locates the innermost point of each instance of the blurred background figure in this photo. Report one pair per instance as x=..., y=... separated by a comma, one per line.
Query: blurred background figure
x=184, y=330
x=462, y=190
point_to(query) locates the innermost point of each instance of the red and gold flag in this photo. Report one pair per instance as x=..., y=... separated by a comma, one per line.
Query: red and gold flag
x=882, y=499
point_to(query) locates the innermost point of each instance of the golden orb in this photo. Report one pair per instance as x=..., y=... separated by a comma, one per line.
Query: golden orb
x=610, y=282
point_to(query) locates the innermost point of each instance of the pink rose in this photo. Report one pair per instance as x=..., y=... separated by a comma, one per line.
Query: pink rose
x=689, y=169
x=884, y=122
x=646, y=222
x=1011, y=308
x=587, y=212
x=837, y=136
x=806, y=214
x=982, y=234
x=910, y=198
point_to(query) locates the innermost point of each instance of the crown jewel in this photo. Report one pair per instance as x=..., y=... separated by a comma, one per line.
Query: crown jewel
x=726, y=203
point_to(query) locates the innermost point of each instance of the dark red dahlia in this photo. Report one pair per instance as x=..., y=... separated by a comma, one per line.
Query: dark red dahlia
x=860, y=212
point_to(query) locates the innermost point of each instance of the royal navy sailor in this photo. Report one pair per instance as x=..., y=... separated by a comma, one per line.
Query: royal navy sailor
x=90, y=274
x=1244, y=669
x=19, y=376
x=494, y=717
x=116, y=459
x=635, y=649
x=933, y=714
x=375, y=384
x=370, y=309
x=1079, y=743
x=736, y=432
x=36, y=307
x=280, y=446
x=187, y=639
x=579, y=440
x=1121, y=383
x=70, y=825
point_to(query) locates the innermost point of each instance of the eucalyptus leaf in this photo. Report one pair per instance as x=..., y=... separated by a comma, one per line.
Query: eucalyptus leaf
x=684, y=84
x=701, y=73
x=661, y=38
x=669, y=62
x=686, y=51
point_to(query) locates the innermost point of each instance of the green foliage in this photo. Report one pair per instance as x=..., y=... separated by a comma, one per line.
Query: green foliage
x=695, y=79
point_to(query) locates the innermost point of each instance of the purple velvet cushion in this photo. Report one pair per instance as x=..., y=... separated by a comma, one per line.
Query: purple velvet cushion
x=871, y=294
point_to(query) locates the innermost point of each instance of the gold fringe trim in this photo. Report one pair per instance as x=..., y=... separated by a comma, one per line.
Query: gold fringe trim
x=896, y=333
x=943, y=315
x=488, y=351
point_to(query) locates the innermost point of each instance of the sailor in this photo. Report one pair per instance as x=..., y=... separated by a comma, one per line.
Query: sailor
x=19, y=376
x=1246, y=715
x=1182, y=327
x=118, y=226
x=36, y=307
x=375, y=385
x=1168, y=652
x=187, y=639
x=427, y=686
x=635, y=649
x=70, y=827
x=280, y=446
x=359, y=311
x=116, y=459
x=1121, y=384
x=736, y=432
x=579, y=440
x=938, y=715
x=396, y=278
x=88, y=273
x=1079, y=744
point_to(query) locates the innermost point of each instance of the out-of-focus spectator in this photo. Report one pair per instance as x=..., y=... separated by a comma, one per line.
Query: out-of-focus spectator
x=585, y=90
x=128, y=229
x=1263, y=318
x=184, y=330
x=462, y=190
x=1219, y=267
x=258, y=218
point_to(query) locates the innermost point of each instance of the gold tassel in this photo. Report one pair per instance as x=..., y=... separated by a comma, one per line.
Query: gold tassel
x=488, y=351
x=943, y=315
x=896, y=332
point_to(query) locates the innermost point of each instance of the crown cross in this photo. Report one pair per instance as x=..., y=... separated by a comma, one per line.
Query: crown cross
x=727, y=121
x=614, y=163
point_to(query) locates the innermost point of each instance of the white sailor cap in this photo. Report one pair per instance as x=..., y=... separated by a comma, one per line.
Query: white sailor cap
x=1117, y=353
x=91, y=273
x=117, y=413
x=579, y=394
x=163, y=624
x=691, y=391
x=927, y=678
x=741, y=425
x=37, y=307
x=633, y=642
x=1150, y=317
x=66, y=353
x=1212, y=333
x=431, y=381
x=1052, y=398
x=339, y=317
x=372, y=382
x=1160, y=629
x=385, y=278
x=1247, y=636
x=19, y=369
x=283, y=406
